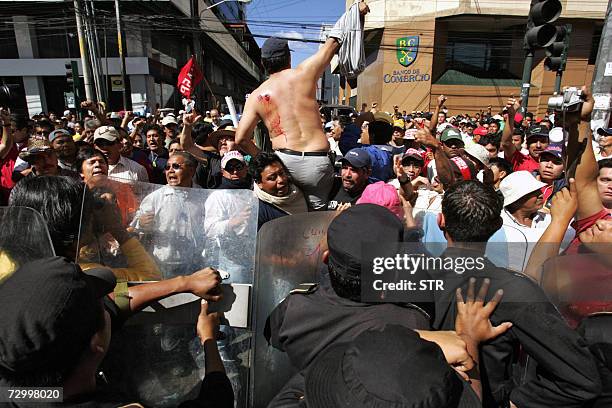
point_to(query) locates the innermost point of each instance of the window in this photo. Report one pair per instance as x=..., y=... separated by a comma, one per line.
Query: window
x=229, y=12
x=217, y=74
x=481, y=54
x=57, y=42
x=229, y=81
x=8, y=44
x=595, y=44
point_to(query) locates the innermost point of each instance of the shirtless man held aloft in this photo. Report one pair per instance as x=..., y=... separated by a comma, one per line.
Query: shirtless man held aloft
x=286, y=103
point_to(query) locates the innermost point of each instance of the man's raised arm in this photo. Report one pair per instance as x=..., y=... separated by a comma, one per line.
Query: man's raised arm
x=315, y=65
x=443, y=164
x=506, y=140
x=185, y=136
x=433, y=123
x=589, y=201
x=248, y=123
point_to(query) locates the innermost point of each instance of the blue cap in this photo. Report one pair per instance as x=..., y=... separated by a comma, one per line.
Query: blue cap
x=274, y=47
x=357, y=158
x=553, y=149
x=58, y=132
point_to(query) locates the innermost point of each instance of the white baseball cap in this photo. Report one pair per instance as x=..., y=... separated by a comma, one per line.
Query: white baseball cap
x=517, y=185
x=107, y=133
x=232, y=155
x=169, y=119
x=479, y=152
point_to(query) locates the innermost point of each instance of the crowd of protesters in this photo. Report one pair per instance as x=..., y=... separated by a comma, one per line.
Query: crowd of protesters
x=462, y=179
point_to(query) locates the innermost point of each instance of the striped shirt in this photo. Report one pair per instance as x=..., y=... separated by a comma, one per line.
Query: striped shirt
x=127, y=170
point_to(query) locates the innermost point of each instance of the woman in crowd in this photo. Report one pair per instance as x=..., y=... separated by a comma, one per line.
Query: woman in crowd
x=277, y=195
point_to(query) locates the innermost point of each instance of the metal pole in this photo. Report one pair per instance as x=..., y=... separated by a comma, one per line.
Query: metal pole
x=89, y=93
x=103, y=82
x=602, y=84
x=121, y=57
x=197, y=45
x=526, y=81
x=92, y=52
x=558, y=81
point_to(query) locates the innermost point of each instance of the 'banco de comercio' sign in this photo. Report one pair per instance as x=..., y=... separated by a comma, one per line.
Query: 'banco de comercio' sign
x=407, y=52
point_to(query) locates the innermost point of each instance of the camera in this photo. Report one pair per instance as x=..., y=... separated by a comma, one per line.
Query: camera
x=570, y=100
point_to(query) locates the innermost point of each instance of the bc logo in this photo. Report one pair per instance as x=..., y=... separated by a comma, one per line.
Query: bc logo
x=407, y=50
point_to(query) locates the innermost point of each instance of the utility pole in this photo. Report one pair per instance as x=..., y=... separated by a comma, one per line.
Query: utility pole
x=89, y=92
x=197, y=46
x=102, y=83
x=93, y=59
x=602, y=77
x=126, y=105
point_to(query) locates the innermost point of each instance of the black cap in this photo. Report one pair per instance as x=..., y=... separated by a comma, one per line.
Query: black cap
x=225, y=123
x=392, y=367
x=357, y=158
x=604, y=131
x=356, y=226
x=274, y=47
x=49, y=311
x=537, y=131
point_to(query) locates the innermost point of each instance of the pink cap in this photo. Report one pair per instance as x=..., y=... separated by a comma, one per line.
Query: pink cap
x=383, y=194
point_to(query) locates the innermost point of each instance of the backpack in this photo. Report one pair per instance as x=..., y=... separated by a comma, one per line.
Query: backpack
x=382, y=163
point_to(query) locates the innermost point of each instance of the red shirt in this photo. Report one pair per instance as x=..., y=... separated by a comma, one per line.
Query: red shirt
x=522, y=161
x=581, y=226
x=6, y=174
x=547, y=192
x=591, y=280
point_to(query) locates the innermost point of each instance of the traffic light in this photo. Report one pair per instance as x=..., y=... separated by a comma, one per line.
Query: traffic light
x=557, y=51
x=72, y=74
x=73, y=80
x=69, y=75
x=540, y=32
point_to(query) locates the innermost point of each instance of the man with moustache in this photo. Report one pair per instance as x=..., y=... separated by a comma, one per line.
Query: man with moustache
x=354, y=177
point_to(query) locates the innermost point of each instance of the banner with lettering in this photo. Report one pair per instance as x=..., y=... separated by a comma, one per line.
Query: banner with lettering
x=189, y=77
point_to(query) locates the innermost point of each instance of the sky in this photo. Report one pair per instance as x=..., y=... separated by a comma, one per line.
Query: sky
x=300, y=19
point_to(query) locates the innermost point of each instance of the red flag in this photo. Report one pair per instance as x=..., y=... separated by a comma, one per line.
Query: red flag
x=189, y=77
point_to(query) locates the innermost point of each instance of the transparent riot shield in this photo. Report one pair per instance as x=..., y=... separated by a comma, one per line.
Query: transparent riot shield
x=23, y=238
x=181, y=229
x=579, y=285
x=147, y=232
x=289, y=251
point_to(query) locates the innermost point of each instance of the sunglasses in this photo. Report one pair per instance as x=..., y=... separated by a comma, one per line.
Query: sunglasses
x=234, y=167
x=104, y=143
x=173, y=166
x=450, y=144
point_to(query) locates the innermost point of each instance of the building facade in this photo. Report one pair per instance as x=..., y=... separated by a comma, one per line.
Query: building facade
x=469, y=50
x=158, y=39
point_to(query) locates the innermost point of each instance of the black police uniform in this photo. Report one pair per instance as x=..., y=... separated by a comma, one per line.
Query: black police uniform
x=566, y=374
x=307, y=321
